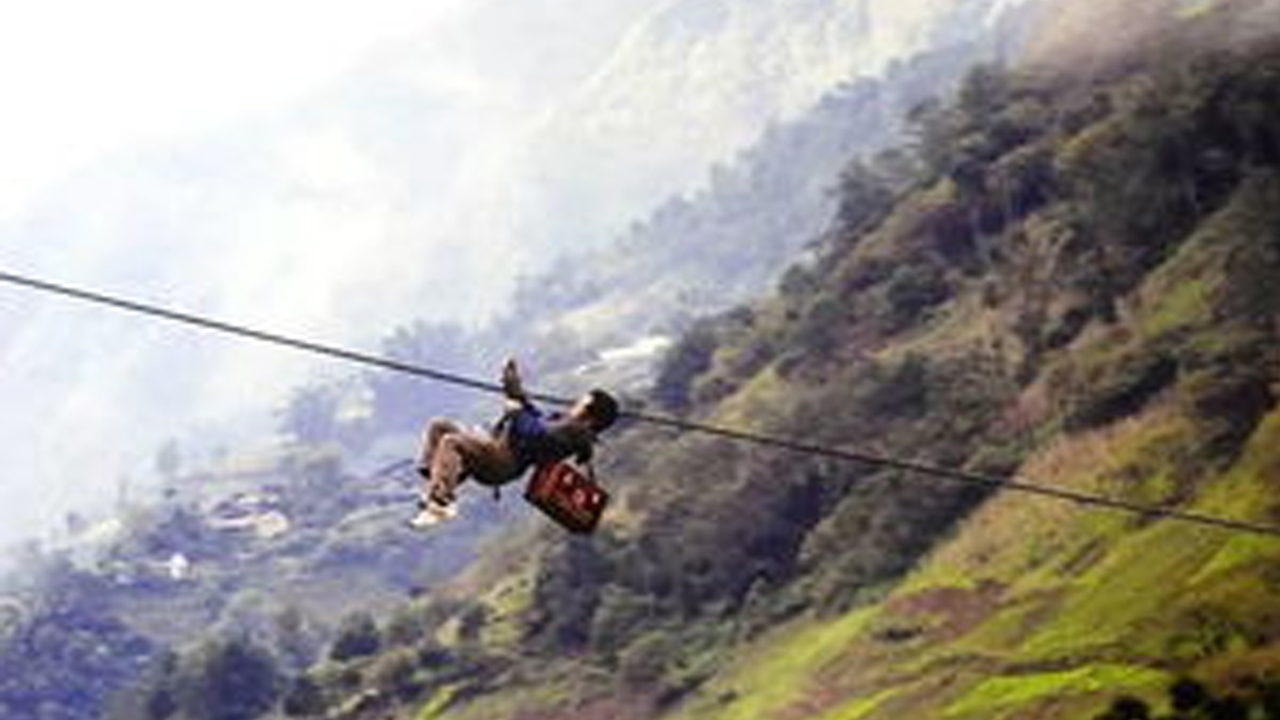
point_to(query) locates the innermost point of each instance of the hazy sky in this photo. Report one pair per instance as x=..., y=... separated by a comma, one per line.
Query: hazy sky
x=81, y=78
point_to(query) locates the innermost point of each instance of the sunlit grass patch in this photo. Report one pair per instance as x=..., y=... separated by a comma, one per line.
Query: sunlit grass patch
x=777, y=670
x=1251, y=489
x=1000, y=694
x=1127, y=596
x=859, y=708
x=1029, y=542
x=755, y=402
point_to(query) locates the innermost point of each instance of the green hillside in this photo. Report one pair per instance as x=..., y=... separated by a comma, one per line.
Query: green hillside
x=1069, y=274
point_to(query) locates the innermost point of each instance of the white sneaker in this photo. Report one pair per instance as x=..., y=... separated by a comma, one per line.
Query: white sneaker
x=423, y=520
x=433, y=513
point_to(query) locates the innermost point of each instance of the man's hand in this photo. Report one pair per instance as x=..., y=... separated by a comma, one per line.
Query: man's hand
x=511, y=380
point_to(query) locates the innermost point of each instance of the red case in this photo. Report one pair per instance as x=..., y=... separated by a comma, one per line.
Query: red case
x=567, y=496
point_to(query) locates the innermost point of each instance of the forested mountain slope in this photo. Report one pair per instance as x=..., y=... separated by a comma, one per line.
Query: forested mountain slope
x=1074, y=282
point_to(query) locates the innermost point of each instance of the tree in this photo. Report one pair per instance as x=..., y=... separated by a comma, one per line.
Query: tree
x=294, y=640
x=1127, y=708
x=304, y=698
x=933, y=127
x=1186, y=695
x=395, y=674
x=983, y=93
x=358, y=636
x=690, y=357
x=311, y=414
x=228, y=680
x=643, y=662
x=567, y=593
x=864, y=198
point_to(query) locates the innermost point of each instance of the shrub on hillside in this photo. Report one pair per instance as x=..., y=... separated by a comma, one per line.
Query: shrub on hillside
x=1119, y=388
x=358, y=636
x=231, y=679
x=682, y=364
x=304, y=698
x=643, y=662
x=1190, y=700
x=395, y=674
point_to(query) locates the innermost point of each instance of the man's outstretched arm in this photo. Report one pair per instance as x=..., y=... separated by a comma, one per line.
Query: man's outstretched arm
x=512, y=386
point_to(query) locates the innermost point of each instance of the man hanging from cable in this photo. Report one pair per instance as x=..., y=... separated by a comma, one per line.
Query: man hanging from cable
x=523, y=437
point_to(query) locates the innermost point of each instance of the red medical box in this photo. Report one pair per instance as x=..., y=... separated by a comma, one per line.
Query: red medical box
x=567, y=496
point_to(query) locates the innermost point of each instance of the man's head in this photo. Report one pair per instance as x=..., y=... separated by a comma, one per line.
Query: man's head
x=598, y=408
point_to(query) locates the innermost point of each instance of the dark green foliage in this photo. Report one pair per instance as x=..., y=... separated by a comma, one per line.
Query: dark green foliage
x=643, y=662
x=567, y=593
x=229, y=680
x=1127, y=708
x=357, y=636
x=409, y=625
x=1064, y=328
x=161, y=705
x=823, y=323
x=70, y=652
x=1121, y=388
x=303, y=698
x=914, y=289
x=694, y=373
x=1230, y=707
x=625, y=609
x=155, y=698
x=995, y=113
x=1191, y=700
x=295, y=641
x=1271, y=702
x=221, y=680
x=1228, y=401
x=901, y=391
x=395, y=675
x=866, y=193
x=684, y=362
x=1176, y=145
x=1022, y=182
x=471, y=621
x=1186, y=695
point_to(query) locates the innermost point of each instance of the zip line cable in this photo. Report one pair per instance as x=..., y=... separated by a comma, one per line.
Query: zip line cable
x=727, y=433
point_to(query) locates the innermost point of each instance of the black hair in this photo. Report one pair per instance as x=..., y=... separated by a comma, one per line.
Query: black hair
x=603, y=408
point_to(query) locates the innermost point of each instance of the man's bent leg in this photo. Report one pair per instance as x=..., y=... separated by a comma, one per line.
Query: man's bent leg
x=435, y=432
x=464, y=454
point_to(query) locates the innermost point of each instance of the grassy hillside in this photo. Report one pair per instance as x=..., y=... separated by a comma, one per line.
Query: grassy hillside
x=1041, y=609
x=1150, y=381
x=1069, y=274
